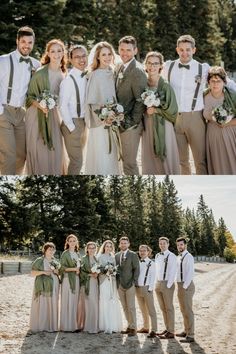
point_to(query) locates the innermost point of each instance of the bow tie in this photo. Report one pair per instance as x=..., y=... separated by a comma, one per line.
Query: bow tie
x=162, y=253
x=184, y=66
x=84, y=73
x=142, y=260
x=26, y=60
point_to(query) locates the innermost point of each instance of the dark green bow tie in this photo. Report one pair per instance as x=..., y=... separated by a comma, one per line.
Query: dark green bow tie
x=84, y=73
x=26, y=60
x=184, y=66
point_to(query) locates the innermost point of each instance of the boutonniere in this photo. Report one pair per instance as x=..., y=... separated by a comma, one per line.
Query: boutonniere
x=120, y=76
x=198, y=79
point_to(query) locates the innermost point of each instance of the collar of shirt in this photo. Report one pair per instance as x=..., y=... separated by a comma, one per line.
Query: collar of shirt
x=166, y=253
x=76, y=72
x=127, y=64
x=183, y=253
x=124, y=253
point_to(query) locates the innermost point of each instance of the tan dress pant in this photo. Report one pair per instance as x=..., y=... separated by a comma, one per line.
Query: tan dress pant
x=75, y=142
x=147, y=307
x=12, y=141
x=165, y=300
x=185, y=297
x=191, y=131
x=127, y=299
x=130, y=140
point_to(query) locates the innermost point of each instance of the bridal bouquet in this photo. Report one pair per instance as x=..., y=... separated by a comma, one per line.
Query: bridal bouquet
x=222, y=115
x=47, y=100
x=111, y=113
x=150, y=98
x=110, y=269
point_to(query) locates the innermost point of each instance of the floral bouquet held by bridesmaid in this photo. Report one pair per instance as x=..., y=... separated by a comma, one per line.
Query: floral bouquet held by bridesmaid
x=47, y=101
x=222, y=115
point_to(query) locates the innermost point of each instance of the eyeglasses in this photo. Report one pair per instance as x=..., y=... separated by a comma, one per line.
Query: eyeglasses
x=91, y=248
x=153, y=64
x=79, y=56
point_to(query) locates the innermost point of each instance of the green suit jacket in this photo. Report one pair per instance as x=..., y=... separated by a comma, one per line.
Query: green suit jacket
x=128, y=270
x=128, y=90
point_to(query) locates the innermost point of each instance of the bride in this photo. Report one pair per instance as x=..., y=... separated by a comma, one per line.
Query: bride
x=110, y=318
x=102, y=149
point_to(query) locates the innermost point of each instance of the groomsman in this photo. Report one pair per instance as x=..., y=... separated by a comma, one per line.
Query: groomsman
x=166, y=263
x=144, y=291
x=127, y=279
x=188, y=78
x=131, y=81
x=186, y=289
x=16, y=69
x=72, y=108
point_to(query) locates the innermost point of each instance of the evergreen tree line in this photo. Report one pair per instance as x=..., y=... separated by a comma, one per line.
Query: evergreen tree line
x=37, y=209
x=155, y=23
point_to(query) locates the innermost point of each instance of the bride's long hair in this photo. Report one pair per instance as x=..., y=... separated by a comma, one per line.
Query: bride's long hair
x=102, y=248
x=97, y=49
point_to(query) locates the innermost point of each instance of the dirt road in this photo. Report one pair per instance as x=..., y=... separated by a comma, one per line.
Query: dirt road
x=214, y=307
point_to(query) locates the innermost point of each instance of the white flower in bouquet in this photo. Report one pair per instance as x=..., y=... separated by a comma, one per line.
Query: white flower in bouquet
x=149, y=101
x=95, y=268
x=157, y=102
x=104, y=111
x=43, y=103
x=51, y=103
x=120, y=109
x=221, y=115
x=150, y=98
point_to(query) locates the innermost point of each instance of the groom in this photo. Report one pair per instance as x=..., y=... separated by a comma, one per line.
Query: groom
x=127, y=279
x=131, y=81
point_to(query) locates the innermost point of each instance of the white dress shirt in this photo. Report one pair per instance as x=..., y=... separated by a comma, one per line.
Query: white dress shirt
x=21, y=79
x=171, y=268
x=151, y=276
x=127, y=64
x=68, y=99
x=123, y=254
x=188, y=268
x=183, y=82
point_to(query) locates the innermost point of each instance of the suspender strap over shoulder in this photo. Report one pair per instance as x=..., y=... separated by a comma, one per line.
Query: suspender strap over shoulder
x=77, y=95
x=9, y=91
x=170, y=69
x=146, y=274
x=166, y=262
x=181, y=267
x=197, y=87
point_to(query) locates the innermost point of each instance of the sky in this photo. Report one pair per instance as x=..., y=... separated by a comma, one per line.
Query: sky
x=219, y=193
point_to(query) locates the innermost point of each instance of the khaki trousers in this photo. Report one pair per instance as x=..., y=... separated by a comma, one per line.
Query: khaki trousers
x=12, y=141
x=191, y=130
x=165, y=300
x=185, y=297
x=147, y=307
x=127, y=299
x=130, y=142
x=75, y=142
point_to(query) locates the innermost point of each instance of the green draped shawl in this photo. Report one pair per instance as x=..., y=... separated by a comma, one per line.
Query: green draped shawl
x=229, y=99
x=67, y=262
x=167, y=110
x=85, y=270
x=39, y=83
x=43, y=284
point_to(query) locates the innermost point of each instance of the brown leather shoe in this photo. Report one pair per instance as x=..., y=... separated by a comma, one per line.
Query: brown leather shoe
x=187, y=340
x=126, y=331
x=152, y=334
x=182, y=334
x=162, y=333
x=143, y=330
x=168, y=335
x=132, y=332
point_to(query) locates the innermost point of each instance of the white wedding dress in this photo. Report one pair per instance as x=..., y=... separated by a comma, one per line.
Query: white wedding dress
x=110, y=317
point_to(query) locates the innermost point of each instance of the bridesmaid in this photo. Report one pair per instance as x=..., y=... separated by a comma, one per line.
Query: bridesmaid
x=221, y=139
x=70, y=268
x=110, y=317
x=44, y=145
x=159, y=146
x=44, y=308
x=89, y=280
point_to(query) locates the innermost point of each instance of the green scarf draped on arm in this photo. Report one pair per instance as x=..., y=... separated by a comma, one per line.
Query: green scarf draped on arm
x=85, y=270
x=168, y=110
x=67, y=262
x=39, y=83
x=230, y=100
x=43, y=284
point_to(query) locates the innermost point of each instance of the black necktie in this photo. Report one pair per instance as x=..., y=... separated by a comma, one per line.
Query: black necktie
x=184, y=66
x=26, y=60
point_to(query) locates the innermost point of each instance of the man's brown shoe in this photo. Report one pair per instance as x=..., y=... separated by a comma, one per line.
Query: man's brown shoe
x=143, y=330
x=162, y=333
x=132, y=332
x=187, y=340
x=182, y=334
x=168, y=335
x=152, y=334
x=126, y=331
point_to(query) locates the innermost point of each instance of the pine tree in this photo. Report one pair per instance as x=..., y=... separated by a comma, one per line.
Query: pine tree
x=221, y=237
